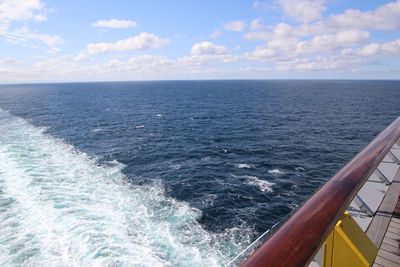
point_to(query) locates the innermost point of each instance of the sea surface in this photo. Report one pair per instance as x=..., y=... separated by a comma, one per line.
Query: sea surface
x=170, y=173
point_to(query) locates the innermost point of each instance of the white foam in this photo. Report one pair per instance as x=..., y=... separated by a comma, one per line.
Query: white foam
x=95, y=130
x=159, y=115
x=263, y=185
x=300, y=169
x=244, y=166
x=139, y=126
x=292, y=205
x=59, y=207
x=276, y=172
x=175, y=166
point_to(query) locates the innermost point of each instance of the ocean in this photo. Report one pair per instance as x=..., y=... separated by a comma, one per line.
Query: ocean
x=170, y=173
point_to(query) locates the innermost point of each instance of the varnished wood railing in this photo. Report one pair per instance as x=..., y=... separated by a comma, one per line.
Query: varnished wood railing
x=297, y=241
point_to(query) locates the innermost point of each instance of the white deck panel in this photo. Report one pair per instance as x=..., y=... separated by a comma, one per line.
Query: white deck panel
x=388, y=158
x=388, y=169
x=372, y=194
x=396, y=153
x=375, y=178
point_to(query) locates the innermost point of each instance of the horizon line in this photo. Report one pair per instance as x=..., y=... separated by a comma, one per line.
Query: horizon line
x=196, y=80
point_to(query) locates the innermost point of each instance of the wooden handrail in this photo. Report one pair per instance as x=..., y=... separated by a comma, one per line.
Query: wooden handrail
x=297, y=241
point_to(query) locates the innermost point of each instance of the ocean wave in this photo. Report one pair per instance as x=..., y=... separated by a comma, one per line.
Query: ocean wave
x=263, y=185
x=292, y=205
x=115, y=164
x=95, y=130
x=244, y=166
x=276, y=172
x=60, y=207
x=175, y=166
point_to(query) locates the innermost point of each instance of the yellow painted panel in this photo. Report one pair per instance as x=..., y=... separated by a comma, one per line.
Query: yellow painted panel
x=358, y=238
x=348, y=245
x=328, y=250
x=345, y=253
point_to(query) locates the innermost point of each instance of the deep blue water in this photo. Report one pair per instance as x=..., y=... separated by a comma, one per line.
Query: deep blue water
x=239, y=155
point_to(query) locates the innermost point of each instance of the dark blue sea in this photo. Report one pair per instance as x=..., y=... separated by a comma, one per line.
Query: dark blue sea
x=170, y=173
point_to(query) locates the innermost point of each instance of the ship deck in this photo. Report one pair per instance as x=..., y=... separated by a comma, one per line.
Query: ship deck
x=383, y=228
x=376, y=209
x=389, y=250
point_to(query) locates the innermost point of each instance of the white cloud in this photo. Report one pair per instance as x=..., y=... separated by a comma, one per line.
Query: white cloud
x=369, y=50
x=142, y=41
x=25, y=36
x=309, y=65
x=283, y=30
x=375, y=49
x=257, y=35
x=350, y=37
x=215, y=34
x=279, y=41
x=392, y=47
x=283, y=44
x=303, y=10
x=256, y=25
x=115, y=24
x=283, y=37
x=261, y=54
x=385, y=17
x=54, y=65
x=317, y=64
x=208, y=48
x=144, y=64
x=82, y=56
x=327, y=42
x=201, y=60
x=8, y=61
x=337, y=36
x=16, y=10
x=140, y=67
x=49, y=40
x=235, y=26
x=261, y=5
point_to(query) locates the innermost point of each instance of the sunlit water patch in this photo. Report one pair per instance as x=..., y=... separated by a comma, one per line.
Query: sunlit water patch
x=59, y=207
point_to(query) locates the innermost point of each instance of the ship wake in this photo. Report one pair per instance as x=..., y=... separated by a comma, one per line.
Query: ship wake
x=59, y=206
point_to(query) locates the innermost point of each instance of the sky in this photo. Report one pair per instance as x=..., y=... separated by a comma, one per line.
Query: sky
x=108, y=40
